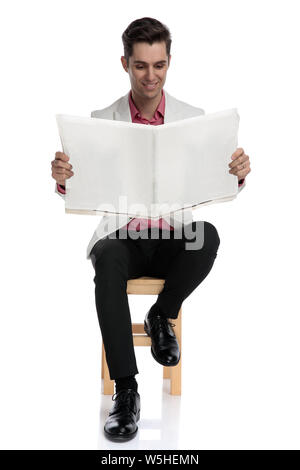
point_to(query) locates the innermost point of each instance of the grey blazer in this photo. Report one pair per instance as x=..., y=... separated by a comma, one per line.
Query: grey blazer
x=120, y=111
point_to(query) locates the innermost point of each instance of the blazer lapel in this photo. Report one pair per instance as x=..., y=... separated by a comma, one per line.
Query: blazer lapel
x=122, y=112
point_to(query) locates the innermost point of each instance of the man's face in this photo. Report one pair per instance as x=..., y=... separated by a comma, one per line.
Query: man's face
x=147, y=68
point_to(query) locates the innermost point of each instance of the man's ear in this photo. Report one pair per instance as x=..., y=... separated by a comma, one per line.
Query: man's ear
x=124, y=63
x=169, y=60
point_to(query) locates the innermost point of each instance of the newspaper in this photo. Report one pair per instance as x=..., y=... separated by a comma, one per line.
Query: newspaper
x=148, y=171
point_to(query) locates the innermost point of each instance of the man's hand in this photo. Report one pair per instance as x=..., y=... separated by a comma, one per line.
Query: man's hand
x=240, y=166
x=61, y=169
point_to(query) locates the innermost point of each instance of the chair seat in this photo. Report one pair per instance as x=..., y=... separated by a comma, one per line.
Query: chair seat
x=145, y=286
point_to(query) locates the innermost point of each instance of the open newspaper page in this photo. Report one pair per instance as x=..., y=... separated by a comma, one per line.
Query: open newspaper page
x=112, y=163
x=192, y=157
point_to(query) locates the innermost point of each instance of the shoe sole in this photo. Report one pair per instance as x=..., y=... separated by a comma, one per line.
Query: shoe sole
x=166, y=364
x=116, y=438
x=120, y=438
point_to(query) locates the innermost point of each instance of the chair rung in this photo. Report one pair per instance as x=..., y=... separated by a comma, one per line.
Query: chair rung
x=138, y=328
x=141, y=340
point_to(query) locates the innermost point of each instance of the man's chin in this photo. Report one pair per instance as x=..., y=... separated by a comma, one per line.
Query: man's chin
x=151, y=93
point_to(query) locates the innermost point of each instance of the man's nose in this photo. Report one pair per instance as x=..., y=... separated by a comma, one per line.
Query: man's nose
x=151, y=75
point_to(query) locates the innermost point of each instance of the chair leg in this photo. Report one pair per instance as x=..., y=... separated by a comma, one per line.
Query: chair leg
x=108, y=384
x=172, y=373
x=175, y=372
x=175, y=382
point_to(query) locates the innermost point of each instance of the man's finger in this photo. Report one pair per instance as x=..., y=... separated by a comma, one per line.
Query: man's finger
x=61, y=164
x=241, y=173
x=237, y=153
x=61, y=156
x=238, y=160
x=63, y=171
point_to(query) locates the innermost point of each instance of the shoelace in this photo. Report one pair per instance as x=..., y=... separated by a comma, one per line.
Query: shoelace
x=124, y=400
x=160, y=322
x=124, y=395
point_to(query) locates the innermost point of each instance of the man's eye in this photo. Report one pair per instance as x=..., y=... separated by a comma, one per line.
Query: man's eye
x=140, y=67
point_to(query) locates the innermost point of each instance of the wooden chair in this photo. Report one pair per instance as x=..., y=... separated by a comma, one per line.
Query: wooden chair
x=147, y=286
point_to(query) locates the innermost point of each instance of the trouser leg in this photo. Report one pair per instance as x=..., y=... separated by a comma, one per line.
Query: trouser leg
x=115, y=261
x=183, y=269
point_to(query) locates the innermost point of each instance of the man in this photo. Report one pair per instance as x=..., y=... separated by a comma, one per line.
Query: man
x=118, y=254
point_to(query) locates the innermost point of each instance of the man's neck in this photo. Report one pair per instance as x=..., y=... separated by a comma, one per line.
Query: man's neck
x=146, y=107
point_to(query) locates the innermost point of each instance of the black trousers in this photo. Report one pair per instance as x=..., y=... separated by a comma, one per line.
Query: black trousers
x=183, y=261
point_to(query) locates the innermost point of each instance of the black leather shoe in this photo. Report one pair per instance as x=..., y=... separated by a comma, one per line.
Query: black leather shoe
x=121, y=422
x=164, y=348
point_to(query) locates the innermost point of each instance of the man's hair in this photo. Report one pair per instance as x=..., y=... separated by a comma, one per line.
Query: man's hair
x=145, y=30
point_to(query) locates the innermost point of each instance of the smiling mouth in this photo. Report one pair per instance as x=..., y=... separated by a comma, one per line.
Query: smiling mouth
x=150, y=86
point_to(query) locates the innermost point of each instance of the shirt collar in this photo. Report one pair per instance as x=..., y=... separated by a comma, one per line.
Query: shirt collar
x=160, y=108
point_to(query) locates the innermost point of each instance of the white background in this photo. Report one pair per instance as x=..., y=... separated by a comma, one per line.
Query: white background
x=241, y=326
